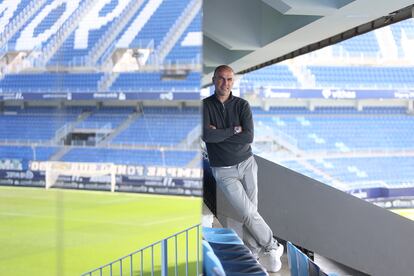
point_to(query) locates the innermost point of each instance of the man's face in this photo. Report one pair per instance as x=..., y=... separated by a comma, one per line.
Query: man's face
x=223, y=82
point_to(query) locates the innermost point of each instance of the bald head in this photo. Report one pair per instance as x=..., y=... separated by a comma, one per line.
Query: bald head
x=222, y=68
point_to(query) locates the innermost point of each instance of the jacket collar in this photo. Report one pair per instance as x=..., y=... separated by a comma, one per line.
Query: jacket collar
x=228, y=100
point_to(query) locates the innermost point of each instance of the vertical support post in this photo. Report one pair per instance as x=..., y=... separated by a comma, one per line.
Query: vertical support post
x=131, y=271
x=176, y=256
x=142, y=263
x=186, y=252
x=152, y=260
x=164, y=258
x=120, y=267
x=198, y=248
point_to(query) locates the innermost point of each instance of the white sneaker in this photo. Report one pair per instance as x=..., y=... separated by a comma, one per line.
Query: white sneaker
x=270, y=258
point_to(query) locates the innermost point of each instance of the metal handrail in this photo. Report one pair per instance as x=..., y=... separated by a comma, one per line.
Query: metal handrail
x=164, y=256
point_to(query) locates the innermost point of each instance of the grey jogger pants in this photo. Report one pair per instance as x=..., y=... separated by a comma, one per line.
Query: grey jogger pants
x=237, y=199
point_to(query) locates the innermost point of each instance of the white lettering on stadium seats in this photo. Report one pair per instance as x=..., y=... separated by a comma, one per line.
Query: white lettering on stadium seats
x=138, y=23
x=193, y=39
x=28, y=41
x=92, y=21
x=7, y=8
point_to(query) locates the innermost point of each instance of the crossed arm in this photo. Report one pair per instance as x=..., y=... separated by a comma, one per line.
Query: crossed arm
x=242, y=134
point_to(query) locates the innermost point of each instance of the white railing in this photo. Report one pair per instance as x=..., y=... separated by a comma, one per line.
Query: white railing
x=137, y=263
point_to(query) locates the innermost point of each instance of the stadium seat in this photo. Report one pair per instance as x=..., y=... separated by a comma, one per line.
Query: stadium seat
x=221, y=235
x=301, y=265
x=211, y=264
x=223, y=238
x=212, y=230
x=234, y=256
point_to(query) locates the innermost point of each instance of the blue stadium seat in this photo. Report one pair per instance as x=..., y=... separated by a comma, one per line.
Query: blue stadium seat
x=211, y=264
x=234, y=256
x=301, y=265
x=354, y=77
x=272, y=77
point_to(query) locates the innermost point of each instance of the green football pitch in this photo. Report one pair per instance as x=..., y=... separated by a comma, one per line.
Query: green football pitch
x=68, y=232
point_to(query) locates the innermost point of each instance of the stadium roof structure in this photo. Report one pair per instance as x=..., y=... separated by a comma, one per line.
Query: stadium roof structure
x=249, y=35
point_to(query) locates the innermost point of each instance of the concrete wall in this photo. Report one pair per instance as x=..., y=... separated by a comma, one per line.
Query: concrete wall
x=334, y=224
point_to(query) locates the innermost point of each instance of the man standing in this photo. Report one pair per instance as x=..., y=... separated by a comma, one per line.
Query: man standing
x=228, y=133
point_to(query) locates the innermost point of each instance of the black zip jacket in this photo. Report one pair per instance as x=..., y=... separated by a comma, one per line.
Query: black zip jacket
x=225, y=148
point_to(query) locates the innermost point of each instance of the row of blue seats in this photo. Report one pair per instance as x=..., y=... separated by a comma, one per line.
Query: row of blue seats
x=275, y=75
x=44, y=82
x=331, y=76
x=67, y=53
x=358, y=173
x=32, y=127
x=187, y=53
x=20, y=5
x=225, y=254
x=98, y=155
x=368, y=171
x=156, y=130
x=384, y=76
x=161, y=21
x=103, y=110
x=329, y=110
x=153, y=81
x=152, y=127
x=13, y=39
x=366, y=43
x=337, y=132
x=155, y=29
x=302, y=265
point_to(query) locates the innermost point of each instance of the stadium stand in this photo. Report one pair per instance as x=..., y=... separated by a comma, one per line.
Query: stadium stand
x=74, y=116
x=87, y=45
x=162, y=20
x=365, y=44
x=130, y=157
x=188, y=46
x=33, y=124
x=26, y=153
x=79, y=44
x=51, y=82
x=366, y=172
x=346, y=133
x=354, y=137
x=363, y=77
x=272, y=76
x=153, y=82
x=112, y=116
x=152, y=129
